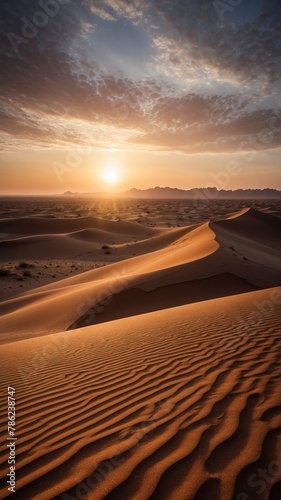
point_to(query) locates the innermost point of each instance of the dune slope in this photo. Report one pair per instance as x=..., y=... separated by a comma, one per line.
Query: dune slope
x=177, y=404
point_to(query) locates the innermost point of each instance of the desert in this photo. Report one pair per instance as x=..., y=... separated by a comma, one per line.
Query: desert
x=140, y=250
x=154, y=370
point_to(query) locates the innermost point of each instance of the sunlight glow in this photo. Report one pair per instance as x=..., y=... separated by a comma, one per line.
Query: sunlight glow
x=111, y=174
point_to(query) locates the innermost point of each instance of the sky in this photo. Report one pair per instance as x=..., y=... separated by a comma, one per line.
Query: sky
x=100, y=95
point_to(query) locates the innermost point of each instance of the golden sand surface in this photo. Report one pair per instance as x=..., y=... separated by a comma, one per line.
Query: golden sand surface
x=149, y=367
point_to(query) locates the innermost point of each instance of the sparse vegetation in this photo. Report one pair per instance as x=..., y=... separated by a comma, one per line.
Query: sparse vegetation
x=5, y=272
x=24, y=265
x=26, y=273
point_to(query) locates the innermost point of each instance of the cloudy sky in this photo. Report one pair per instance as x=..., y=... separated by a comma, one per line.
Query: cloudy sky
x=183, y=93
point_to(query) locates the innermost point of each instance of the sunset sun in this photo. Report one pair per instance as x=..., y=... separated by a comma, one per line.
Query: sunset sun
x=111, y=175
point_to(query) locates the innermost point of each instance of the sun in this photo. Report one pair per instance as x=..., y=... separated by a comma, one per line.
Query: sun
x=110, y=174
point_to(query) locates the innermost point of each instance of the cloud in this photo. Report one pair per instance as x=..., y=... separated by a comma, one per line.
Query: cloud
x=101, y=12
x=246, y=51
x=203, y=86
x=212, y=125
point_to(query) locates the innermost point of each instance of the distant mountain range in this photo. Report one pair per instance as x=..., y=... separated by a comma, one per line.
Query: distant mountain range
x=195, y=193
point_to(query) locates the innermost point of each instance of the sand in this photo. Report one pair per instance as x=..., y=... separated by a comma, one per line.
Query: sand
x=153, y=375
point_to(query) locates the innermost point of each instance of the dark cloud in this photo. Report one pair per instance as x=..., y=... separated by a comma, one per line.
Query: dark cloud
x=248, y=49
x=259, y=130
x=52, y=78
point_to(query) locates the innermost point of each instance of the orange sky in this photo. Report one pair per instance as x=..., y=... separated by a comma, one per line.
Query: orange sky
x=184, y=100
x=49, y=172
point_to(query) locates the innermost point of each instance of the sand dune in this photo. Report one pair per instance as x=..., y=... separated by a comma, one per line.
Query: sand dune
x=156, y=376
x=33, y=225
x=87, y=240
x=188, y=268
x=30, y=238
x=171, y=404
x=255, y=235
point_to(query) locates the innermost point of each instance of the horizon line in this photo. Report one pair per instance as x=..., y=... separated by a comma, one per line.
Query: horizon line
x=118, y=193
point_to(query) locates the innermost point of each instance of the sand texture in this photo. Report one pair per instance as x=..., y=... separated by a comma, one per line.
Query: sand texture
x=155, y=376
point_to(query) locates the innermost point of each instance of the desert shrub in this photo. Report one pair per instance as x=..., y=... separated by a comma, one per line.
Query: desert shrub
x=26, y=273
x=5, y=272
x=24, y=265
